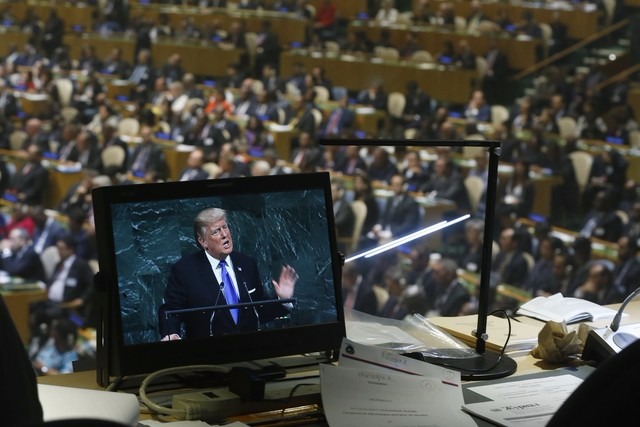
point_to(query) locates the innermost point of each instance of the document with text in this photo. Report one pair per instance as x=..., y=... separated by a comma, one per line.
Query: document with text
x=529, y=403
x=376, y=398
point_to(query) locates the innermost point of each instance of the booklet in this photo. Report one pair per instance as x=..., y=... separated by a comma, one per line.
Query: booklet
x=567, y=309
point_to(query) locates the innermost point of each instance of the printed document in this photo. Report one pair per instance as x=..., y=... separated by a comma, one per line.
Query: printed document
x=529, y=403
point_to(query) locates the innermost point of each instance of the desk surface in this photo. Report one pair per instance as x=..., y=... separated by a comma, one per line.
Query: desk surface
x=526, y=364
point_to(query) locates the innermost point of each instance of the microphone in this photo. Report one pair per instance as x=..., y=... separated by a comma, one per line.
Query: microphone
x=255, y=310
x=213, y=313
x=602, y=344
x=615, y=323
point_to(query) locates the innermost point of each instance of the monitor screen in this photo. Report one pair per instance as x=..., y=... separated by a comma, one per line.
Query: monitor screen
x=165, y=300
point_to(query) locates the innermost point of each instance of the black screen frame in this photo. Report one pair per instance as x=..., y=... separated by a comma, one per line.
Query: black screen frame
x=117, y=360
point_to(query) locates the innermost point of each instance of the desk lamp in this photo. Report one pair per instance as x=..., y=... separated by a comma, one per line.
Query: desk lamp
x=483, y=365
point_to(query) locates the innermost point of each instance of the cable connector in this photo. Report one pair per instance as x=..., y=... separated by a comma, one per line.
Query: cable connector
x=209, y=405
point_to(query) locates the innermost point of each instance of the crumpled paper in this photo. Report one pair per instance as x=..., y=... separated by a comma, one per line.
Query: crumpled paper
x=557, y=345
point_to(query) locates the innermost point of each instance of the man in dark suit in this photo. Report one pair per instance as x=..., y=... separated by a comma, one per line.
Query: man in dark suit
x=446, y=295
x=218, y=276
x=401, y=215
x=626, y=274
x=497, y=72
x=47, y=231
x=148, y=159
x=70, y=289
x=194, y=171
x=19, y=259
x=29, y=183
x=340, y=120
x=356, y=293
x=510, y=265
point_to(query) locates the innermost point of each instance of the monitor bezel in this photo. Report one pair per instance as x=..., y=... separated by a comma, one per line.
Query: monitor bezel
x=117, y=360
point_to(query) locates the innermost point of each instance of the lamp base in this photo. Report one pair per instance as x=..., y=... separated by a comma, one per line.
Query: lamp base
x=487, y=366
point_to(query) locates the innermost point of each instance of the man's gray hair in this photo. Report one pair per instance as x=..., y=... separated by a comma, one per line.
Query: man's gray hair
x=204, y=218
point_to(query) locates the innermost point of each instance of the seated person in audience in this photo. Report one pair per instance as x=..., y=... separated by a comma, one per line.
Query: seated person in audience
x=446, y=182
x=70, y=289
x=245, y=103
x=19, y=218
x=56, y=355
x=266, y=106
x=626, y=274
x=341, y=120
x=47, y=229
x=632, y=227
x=401, y=214
x=172, y=69
x=608, y=172
x=373, y=96
x=218, y=98
x=471, y=258
x=414, y=171
x=319, y=78
x=477, y=108
x=395, y=285
x=308, y=156
x=528, y=26
x=445, y=16
x=423, y=14
x=447, y=55
x=410, y=45
x=88, y=62
x=194, y=171
x=29, y=183
x=36, y=135
x=344, y=218
x=356, y=293
x=19, y=259
x=363, y=191
x=387, y=14
x=417, y=107
x=509, y=265
x=326, y=19
x=541, y=280
x=349, y=161
x=80, y=231
x=517, y=194
x=148, y=159
x=357, y=43
x=190, y=87
x=381, y=168
x=475, y=16
x=303, y=118
x=465, y=58
x=88, y=151
x=9, y=105
x=77, y=196
x=256, y=136
x=143, y=76
x=580, y=251
x=598, y=285
x=446, y=295
x=602, y=221
x=115, y=65
x=67, y=150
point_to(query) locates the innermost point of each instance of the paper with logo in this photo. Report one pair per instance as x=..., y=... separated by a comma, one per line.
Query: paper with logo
x=377, y=398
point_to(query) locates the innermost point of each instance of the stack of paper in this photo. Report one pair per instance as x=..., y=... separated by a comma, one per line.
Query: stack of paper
x=561, y=309
x=522, y=337
x=372, y=386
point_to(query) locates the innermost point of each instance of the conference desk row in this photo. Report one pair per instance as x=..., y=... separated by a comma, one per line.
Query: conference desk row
x=520, y=53
x=526, y=364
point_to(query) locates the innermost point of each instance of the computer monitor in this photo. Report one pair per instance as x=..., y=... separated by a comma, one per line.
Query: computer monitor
x=143, y=230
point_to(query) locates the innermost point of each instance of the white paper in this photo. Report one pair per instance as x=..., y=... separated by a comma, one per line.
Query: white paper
x=354, y=355
x=529, y=402
x=372, y=333
x=359, y=397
